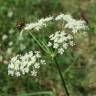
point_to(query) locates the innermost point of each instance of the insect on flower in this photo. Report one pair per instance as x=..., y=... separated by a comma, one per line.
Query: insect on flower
x=21, y=24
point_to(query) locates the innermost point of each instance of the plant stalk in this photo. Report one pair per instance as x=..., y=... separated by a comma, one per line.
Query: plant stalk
x=61, y=76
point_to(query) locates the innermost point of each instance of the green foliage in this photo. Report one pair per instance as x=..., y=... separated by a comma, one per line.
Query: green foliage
x=74, y=65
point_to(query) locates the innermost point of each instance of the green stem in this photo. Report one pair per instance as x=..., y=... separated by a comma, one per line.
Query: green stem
x=61, y=76
x=39, y=93
x=37, y=42
x=63, y=82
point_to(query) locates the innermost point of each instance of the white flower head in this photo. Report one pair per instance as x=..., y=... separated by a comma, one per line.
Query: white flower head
x=10, y=13
x=61, y=51
x=25, y=64
x=4, y=37
x=10, y=43
x=71, y=23
x=76, y=25
x=49, y=44
x=59, y=17
x=38, y=25
x=60, y=41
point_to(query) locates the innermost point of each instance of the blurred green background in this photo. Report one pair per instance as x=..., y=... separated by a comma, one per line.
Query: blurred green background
x=78, y=67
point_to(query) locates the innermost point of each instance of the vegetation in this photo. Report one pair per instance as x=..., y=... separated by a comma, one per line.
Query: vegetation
x=77, y=64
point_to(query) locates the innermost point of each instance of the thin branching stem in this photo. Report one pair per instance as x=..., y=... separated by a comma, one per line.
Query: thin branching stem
x=34, y=38
x=60, y=73
x=61, y=76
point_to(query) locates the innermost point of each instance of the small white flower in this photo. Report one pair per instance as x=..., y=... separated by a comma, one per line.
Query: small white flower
x=71, y=43
x=65, y=45
x=49, y=44
x=56, y=45
x=10, y=43
x=17, y=74
x=43, y=62
x=37, y=65
x=61, y=51
x=34, y=73
x=10, y=72
x=10, y=14
x=38, y=55
x=4, y=37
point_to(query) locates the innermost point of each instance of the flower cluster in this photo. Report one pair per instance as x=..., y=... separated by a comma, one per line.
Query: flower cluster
x=60, y=41
x=38, y=25
x=76, y=25
x=23, y=64
x=63, y=17
x=71, y=23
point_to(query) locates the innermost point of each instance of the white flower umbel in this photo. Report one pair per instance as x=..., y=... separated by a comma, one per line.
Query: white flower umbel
x=60, y=41
x=76, y=25
x=71, y=23
x=38, y=25
x=25, y=64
